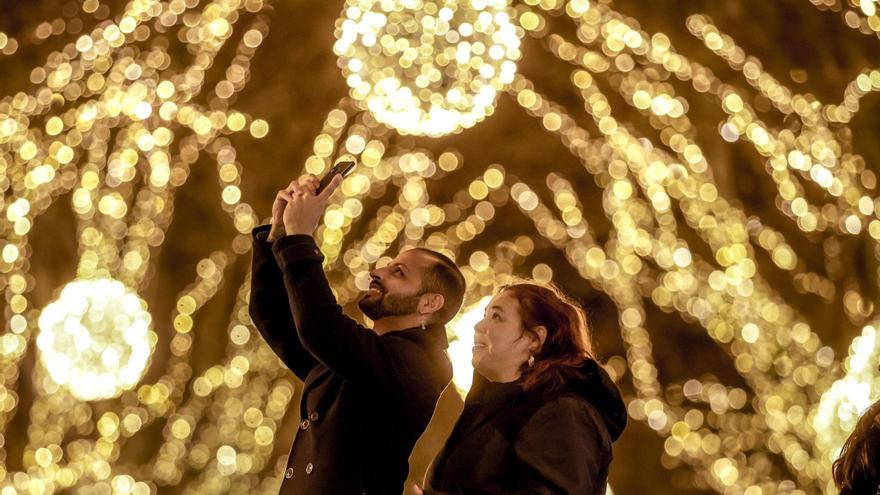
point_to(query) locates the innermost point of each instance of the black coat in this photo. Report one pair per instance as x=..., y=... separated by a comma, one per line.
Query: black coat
x=508, y=441
x=366, y=398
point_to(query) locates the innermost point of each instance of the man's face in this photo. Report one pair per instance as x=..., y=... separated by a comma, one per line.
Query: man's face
x=395, y=289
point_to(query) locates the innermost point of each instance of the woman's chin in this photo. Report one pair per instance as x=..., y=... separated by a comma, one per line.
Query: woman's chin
x=477, y=363
x=477, y=354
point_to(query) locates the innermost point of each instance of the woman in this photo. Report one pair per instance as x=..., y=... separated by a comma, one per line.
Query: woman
x=857, y=470
x=541, y=414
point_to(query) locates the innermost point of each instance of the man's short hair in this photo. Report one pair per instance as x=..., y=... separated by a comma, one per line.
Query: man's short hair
x=444, y=278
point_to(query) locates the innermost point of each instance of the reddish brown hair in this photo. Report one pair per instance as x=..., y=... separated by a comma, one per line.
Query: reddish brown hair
x=857, y=470
x=567, y=345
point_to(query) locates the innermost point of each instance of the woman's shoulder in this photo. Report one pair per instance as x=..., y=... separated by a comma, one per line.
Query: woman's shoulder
x=557, y=398
x=563, y=410
x=567, y=402
x=565, y=422
x=536, y=406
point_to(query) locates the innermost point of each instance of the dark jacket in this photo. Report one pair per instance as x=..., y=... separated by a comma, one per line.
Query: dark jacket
x=508, y=441
x=366, y=398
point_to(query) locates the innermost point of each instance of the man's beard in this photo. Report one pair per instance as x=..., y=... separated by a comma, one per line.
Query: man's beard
x=385, y=304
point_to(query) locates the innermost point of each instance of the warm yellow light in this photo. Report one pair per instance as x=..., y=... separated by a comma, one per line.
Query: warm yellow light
x=95, y=339
x=428, y=71
x=461, y=342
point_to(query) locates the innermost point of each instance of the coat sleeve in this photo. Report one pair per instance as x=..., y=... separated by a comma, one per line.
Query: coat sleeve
x=564, y=449
x=392, y=366
x=269, y=310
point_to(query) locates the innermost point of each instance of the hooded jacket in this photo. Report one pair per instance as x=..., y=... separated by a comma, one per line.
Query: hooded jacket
x=542, y=441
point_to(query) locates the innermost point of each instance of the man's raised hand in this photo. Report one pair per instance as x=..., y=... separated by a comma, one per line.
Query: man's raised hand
x=281, y=200
x=304, y=210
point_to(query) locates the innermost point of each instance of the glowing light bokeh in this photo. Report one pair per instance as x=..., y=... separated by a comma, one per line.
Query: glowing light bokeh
x=844, y=402
x=428, y=68
x=96, y=339
x=461, y=342
x=116, y=123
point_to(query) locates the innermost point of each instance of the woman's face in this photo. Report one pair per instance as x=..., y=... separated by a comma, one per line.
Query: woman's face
x=501, y=345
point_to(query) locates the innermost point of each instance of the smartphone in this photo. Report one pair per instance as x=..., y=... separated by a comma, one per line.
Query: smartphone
x=343, y=167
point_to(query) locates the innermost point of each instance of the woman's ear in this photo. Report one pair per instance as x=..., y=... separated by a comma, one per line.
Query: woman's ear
x=538, y=338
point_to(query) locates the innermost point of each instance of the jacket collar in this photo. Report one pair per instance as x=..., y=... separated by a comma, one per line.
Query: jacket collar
x=432, y=334
x=483, y=403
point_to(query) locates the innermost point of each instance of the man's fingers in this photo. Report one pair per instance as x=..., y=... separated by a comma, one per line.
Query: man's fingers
x=310, y=186
x=309, y=183
x=278, y=206
x=281, y=200
x=305, y=179
x=295, y=188
x=331, y=187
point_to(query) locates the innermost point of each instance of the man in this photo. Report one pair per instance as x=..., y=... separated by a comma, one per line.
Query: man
x=368, y=393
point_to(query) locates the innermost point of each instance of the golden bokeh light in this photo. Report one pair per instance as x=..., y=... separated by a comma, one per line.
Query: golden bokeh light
x=116, y=123
x=425, y=67
x=461, y=343
x=96, y=339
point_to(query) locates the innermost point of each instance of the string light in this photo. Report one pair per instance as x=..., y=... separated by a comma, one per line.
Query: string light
x=424, y=67
x=123, y=192
x=777, y=354
x=129, y=131
x=96, y=339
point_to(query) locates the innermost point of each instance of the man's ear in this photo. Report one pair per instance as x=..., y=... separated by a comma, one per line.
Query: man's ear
x=430, y=303
x=538, y=338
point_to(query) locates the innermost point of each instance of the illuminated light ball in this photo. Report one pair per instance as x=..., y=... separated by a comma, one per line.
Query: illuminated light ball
x=95, y=339
x=428, y=68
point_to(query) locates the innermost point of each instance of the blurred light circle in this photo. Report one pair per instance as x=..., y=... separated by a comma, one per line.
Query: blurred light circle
x=95, y=339
x=428, y=68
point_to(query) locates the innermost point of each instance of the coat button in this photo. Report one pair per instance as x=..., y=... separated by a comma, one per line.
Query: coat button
x=313, y=416
x=304, y=424
x=289, y=473
x=309, y=468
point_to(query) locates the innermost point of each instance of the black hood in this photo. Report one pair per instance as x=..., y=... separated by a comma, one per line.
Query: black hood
x=596, y=387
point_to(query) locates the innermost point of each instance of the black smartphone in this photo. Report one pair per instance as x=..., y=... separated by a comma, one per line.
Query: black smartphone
x=344, y=167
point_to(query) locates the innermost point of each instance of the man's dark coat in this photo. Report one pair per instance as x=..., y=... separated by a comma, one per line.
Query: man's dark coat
x=367, y=398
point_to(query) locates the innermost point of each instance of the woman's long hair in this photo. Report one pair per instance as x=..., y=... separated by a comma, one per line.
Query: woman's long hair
x=857, y=470
x=567, y=344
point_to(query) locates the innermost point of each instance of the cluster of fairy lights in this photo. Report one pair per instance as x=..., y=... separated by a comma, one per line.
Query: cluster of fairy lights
x=128, y=131
x=425, y=68
x=431, y=69
x=108, y=352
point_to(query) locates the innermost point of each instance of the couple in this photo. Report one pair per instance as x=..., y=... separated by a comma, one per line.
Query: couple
x=539, y=419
